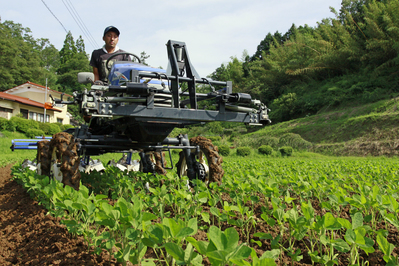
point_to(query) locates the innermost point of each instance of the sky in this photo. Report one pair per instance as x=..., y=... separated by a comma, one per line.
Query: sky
x=213, y=30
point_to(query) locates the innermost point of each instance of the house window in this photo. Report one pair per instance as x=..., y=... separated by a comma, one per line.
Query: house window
x=59, y=120
x=24, y=113
x=38, y=117
x=6, y=110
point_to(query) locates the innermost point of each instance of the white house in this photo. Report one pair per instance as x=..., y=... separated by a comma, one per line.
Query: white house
x=29, y=99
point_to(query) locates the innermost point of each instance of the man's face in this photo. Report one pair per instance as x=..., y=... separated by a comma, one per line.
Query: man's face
x=111, y=39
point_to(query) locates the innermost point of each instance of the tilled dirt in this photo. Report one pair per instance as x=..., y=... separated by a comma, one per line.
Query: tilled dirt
x=30, y=237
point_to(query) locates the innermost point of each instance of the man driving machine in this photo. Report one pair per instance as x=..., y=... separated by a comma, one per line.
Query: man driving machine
x=100, y=56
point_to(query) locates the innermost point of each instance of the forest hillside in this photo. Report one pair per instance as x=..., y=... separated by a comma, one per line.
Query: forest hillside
x=331, y=84
x=351, y=60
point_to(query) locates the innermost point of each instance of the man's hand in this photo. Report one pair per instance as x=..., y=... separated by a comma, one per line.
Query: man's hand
x=98, y=82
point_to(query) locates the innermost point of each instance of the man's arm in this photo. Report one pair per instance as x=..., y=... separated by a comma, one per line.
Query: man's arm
x=94, y=63
x=96, y=74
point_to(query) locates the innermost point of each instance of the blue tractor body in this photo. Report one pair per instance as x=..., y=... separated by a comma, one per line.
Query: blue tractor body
x=121, y=72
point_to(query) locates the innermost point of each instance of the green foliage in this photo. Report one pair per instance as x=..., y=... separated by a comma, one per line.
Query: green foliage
x=169, y=219
x=348, y=59
x=214, y=128
x=295, y=141
x=232, y=71
x=284, y=107
x=265, y=149
x=12, y=157
x=20, y=56
x=22, y=124
x=256, y=140
x=65, y=126
x=214, y=138
x=53, y=129
x=224, y=150
x=49, y=128
x=27, y=125
x=33, y=132
x=24, y=58
x=176, y=151
x=244, y=151
x=228, y=131
x=73, y=59
x=381, y=29
x=286, y=151
x=6, y=124
x=49, y=61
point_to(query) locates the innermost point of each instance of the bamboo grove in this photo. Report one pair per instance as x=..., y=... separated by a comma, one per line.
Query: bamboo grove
x=349, y=59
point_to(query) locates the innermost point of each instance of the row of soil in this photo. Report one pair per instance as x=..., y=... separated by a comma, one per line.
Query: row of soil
x=30, y=237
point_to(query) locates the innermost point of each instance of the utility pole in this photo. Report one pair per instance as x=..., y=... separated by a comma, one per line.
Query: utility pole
x=45, y=100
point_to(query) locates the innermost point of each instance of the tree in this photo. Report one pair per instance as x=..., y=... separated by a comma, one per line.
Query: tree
x=80, y=45
x=290, y=34
x=50, y=60
x=73, y=59
x=8, y=58
x=67, y=52
x=354, y=8
x=144, y=57
x=232, y=71
x=20, y=59
x=265, y=45
x=352, y=57
x=277, y=39
x=382, y=37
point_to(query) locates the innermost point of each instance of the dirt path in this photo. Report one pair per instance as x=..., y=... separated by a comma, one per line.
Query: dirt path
x=30, y=237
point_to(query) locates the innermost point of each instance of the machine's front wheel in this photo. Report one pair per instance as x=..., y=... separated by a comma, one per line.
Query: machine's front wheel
x=208, y=161
x=65, y=160
x=43, y=158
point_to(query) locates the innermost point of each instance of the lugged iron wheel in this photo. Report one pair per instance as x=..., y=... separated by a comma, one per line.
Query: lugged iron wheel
x=159, y=168
x=43, y=157
x=155, y=159
x=65, y=159
x=208, y=158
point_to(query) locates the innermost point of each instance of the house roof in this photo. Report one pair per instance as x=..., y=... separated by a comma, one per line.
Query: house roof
x=23, y=100
x=37, y=85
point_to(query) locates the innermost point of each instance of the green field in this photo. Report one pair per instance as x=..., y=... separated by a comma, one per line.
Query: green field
x=267, y=211
x=12, y=157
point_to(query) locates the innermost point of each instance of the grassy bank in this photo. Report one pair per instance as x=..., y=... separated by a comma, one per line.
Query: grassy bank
x=11, y=157
x=368, y=130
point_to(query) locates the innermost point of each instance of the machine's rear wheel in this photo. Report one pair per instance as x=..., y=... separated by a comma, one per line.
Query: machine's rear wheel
x=65, y=160
x=208, y=165
x=43, y=158
x=154, y=163
x=160, y=163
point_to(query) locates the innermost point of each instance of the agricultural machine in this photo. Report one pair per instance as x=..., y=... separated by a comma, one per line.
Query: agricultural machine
x=136, y=110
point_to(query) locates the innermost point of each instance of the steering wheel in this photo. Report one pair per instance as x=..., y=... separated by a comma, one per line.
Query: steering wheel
x=112, y=56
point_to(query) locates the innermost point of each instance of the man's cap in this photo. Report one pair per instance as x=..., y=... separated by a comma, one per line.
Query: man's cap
x=111, y=28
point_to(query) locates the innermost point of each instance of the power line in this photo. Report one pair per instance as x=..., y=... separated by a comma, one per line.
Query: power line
x=84, y=26
x=75, y=17
x=55, y=16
